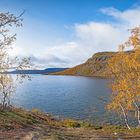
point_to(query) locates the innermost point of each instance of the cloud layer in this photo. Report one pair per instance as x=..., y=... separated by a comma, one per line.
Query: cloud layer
x=88, y=39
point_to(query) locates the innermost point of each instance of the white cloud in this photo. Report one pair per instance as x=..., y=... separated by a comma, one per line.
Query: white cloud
x=100, y=36
x=128, y=18
x=89, y=38
x=64, y=55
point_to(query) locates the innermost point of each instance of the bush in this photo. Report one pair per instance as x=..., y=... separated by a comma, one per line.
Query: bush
x=71, y=123
x=37, y=111
x=97, y=127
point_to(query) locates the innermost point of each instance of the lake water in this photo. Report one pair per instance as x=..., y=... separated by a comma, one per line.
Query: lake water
x=65, y=96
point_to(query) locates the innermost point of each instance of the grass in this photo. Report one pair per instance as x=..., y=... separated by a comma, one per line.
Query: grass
x=16, y=119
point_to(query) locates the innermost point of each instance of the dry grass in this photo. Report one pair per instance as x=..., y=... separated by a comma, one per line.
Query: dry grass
x=21, y=124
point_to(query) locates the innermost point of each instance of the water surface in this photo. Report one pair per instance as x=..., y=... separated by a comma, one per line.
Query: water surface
x=65, y=96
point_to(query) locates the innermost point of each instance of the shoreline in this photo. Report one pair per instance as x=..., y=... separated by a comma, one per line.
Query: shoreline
x=18, y=123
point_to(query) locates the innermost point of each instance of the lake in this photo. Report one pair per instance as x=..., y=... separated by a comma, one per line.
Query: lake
x=66, y=96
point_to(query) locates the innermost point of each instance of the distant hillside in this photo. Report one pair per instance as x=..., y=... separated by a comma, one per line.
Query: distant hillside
x=94, y=66
x=45, y=71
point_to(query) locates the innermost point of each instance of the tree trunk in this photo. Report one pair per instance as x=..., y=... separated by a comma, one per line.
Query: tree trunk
x=125, y=117
x=138, y=112
x=139, y=116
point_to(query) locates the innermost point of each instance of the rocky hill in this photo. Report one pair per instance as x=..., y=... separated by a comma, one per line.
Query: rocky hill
x=94, y=66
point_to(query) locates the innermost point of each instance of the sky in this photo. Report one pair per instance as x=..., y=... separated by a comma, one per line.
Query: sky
x=65, y=33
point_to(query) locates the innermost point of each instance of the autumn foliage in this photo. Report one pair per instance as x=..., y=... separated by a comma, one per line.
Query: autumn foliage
x=124, y=67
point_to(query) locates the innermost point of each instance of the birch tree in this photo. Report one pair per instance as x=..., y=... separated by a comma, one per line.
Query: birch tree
x=8, y=21
x=124, y=68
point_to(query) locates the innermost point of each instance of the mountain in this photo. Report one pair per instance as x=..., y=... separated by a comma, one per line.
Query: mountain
x=94, y=66
x=45, y=71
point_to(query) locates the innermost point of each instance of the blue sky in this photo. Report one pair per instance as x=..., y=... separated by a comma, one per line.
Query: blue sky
x=64, y=33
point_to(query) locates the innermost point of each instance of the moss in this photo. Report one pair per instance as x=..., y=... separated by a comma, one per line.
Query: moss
x=44, y=127
x=97, y=127
x=86, y=124
x=71, y=123
x=16, y=118
x=37, y=111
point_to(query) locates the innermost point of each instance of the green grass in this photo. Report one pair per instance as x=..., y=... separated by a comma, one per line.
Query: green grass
x=19, y=118
x=16, y=118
